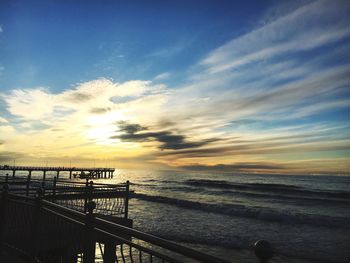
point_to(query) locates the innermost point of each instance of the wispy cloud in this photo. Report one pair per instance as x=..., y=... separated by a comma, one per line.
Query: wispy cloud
x=309, y=26
x=172, y=50
x=3, y=120
x=162, y=76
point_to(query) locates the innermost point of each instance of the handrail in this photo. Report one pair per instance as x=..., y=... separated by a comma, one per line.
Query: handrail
x=112, y=231
x=162, y=242
x=144, y=236
x=163, y=256
x=113, y=228
x=76, y=195
x=22, y=179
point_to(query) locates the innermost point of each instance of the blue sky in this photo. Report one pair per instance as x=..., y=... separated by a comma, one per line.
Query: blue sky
x=120, y=40
x=177, y=83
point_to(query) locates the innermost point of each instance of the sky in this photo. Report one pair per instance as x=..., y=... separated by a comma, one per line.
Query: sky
x=236, y=86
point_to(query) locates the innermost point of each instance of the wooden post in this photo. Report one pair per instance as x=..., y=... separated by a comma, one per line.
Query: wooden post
x=44, y=175
x=30, y=175
x=54, y=188
x=28, y=184
x=86, y=195
x=43, y=187
x=89, y=242
x=126, y=199
x=90, y=190
x=70, y=174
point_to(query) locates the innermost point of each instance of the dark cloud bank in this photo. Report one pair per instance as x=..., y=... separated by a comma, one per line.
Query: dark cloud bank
x=168, y=140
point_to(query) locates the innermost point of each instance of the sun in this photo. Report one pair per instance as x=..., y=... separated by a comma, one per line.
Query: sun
x=102, y=127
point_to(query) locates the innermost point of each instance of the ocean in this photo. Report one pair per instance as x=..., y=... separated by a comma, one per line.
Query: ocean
x=305, y=218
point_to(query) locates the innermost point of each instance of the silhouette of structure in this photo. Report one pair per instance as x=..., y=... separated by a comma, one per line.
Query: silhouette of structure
x=82, y=172
x=56, y=221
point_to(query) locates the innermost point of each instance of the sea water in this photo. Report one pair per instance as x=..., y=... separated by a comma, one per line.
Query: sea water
x=305, y=217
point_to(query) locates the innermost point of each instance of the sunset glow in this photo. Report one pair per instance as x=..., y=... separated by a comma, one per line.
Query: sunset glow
x=263, y=93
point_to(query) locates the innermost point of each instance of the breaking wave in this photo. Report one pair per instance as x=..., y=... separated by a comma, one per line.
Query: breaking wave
x=266, y=214
x=263, y=187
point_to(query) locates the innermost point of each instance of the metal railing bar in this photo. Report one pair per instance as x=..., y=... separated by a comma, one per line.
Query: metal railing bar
x=64, y=216
x=67, y=212
x=122, y=253
x=161, y=242
x=137, y=246
x=23, y=179
x=115, y=229
x=130, y=254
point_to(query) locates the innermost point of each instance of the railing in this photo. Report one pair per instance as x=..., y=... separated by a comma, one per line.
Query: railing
x=110, y=199
x=39, y=227
x=48, y=232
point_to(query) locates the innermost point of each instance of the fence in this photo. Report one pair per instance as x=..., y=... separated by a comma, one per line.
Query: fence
x=52, y=233
x=48, y=232
x=110, y=199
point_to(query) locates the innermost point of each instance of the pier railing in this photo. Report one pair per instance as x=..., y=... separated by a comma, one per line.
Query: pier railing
x=52, y=233
x=110, y=199
x=45, y=231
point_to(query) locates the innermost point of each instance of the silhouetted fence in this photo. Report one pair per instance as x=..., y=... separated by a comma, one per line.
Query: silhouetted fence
x=110, y=199
x=52, y=233
x=44, y=231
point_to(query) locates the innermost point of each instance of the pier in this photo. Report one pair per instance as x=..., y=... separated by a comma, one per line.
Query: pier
x=89, y=172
